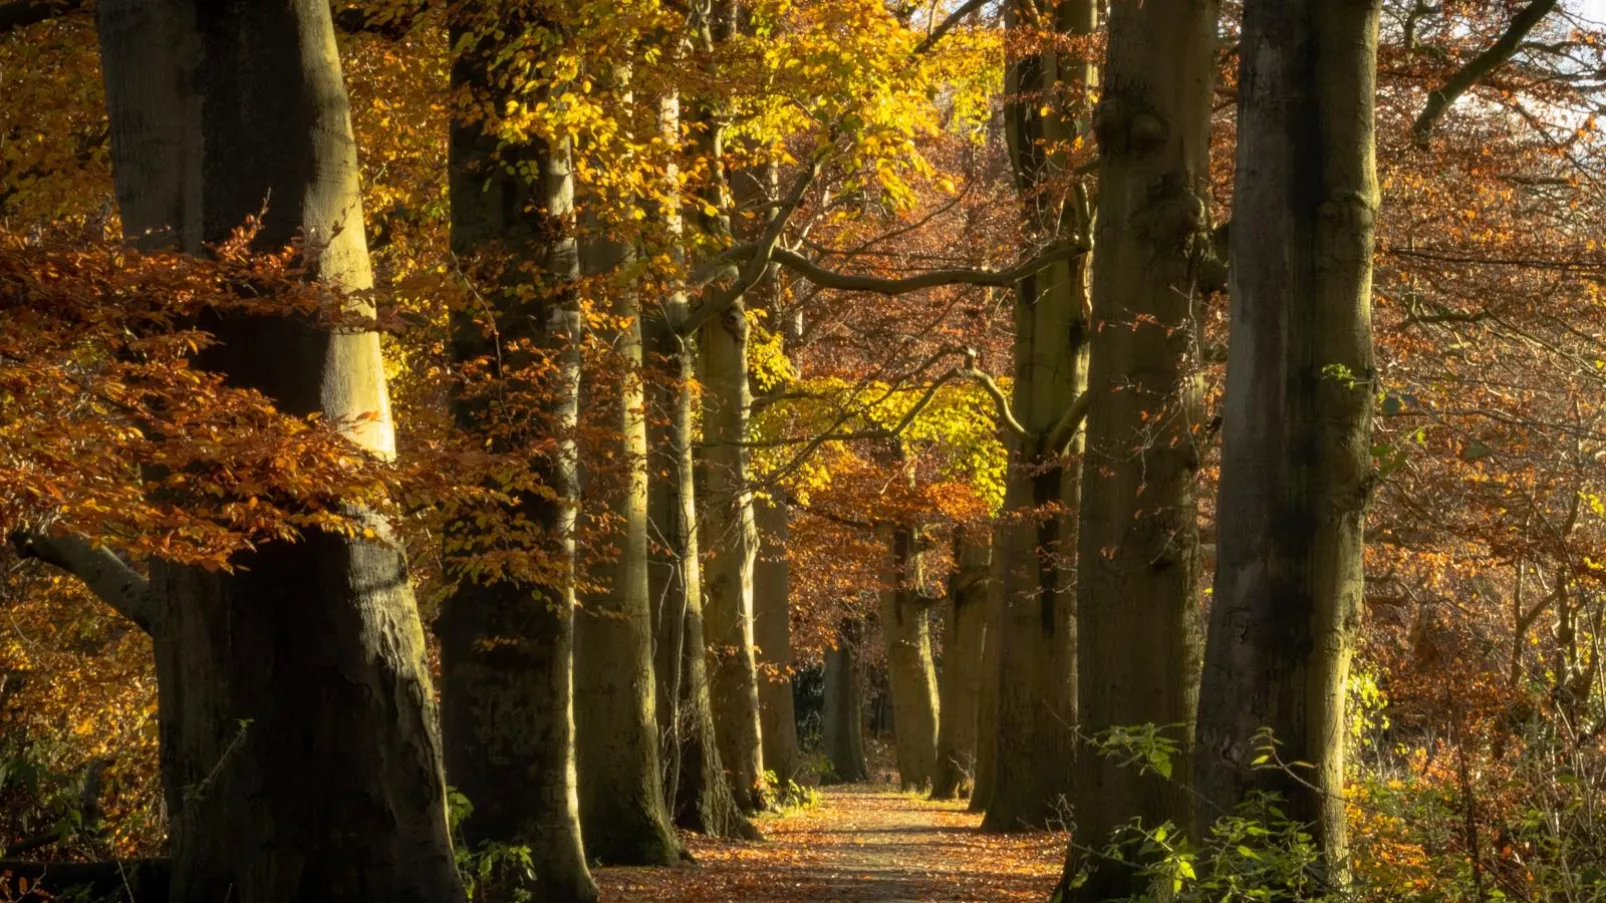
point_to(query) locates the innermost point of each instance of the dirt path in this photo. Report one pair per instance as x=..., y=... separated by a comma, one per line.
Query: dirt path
x=860, y=844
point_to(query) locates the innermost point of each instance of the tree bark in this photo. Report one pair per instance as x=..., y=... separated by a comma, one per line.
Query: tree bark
x=1296, y=471
x=730, y=537
x=964, y=633
x=300, y=753
x=987, y=741
x=507, y=645
x=844, y=705
x=1037, y=687
x=1138, y=625
x=911, y=673
x=772, y=629
x=622, y=808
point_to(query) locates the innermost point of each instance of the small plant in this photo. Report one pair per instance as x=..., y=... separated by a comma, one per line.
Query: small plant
x=788, y=794
x=491, y=872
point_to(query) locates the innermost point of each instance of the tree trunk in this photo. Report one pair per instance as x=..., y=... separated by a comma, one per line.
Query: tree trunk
x=987, y=741
x=507, y=646
x=300, y=748
x=964, y=633
x=772, y=628
x=1296, y=470
x=622, y=809
x=1138, y=624
x=911, y=674
x=730, y=538
x=1037, y=687
x=844, y=705
x=695, y=788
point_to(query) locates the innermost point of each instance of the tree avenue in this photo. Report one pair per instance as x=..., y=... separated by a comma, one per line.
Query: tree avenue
x=802, y=449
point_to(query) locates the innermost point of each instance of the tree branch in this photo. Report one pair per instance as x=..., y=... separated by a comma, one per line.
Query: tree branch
x=386, y=21
x=852, y=282
x=1063, y=431
x=1481, y=65
x=946, y=26
x=763, y=252
x=117, y=584
x=999, y=398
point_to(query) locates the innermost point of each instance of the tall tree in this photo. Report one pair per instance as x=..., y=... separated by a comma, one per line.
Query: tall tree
x=696, y=791
x=507, y=639
x=911, y=672
x=964, y=632
x=1138, y=642
x=728, y=533
x=1296, y=469
x=622, y=809
x=844, y=704
x=987, y=740
x=772, y=630
x=1046, y=94
x=299, y=738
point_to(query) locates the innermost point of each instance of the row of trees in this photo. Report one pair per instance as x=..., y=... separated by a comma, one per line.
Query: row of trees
x=650, y=423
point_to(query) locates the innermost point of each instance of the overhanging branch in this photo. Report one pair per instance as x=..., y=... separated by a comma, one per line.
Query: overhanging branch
x=852, y=282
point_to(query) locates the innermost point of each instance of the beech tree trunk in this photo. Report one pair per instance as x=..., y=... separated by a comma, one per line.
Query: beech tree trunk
x=622, y=808
x=911, y=673
x=1138, y=623
x=1296, y=470
x=987, y=740
x=964, y=633
x=844, y=704
x=730, y=537
x=772, y=629
x=507, y=646
x=1037, y=687
x=300, y=752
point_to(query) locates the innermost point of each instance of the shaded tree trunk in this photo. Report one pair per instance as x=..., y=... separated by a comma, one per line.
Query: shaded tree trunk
x=1037, y=688
x=772, y=628
x=507, y=646
x=622, y=807
x=1296, y=470
x=964, y=634
x=844, y=704
x=300, y=753
x=987, y=704
x=911, y=674
x=1138, y=625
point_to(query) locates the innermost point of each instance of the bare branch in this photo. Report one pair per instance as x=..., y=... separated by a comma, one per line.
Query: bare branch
x=1479, y=68
x=117, y=584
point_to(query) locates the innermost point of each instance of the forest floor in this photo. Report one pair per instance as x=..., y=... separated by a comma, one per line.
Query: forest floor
x=861, y=843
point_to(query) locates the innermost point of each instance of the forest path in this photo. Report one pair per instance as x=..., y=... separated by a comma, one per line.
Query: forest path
x=862, y=843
